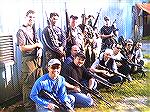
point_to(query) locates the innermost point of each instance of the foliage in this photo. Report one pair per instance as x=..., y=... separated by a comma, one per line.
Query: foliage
x=147, y=56
x=146, y=38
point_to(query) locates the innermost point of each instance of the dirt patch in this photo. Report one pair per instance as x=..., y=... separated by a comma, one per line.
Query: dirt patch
x=133, y=104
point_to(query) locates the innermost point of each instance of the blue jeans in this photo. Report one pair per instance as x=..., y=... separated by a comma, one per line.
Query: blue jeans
x=82, y=100
x=115, y=79
x=69, y=103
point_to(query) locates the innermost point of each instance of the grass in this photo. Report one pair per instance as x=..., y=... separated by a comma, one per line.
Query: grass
x=147, y=56
x=129, y=97
x=146, y=38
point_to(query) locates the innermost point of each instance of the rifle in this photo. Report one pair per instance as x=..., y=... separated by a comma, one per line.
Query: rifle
x=62, y=107
x=128, y=62
x=92, y=92
x=68, y=28
x=101, y=80
x=52, y=36
x=96, y=19
x=82, y=25
x=125, y=60
x=111, y=71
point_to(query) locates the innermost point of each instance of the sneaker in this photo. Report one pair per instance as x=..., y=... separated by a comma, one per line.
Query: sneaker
x=129, y=78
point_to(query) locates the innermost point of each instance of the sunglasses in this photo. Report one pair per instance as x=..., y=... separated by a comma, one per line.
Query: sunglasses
x=118, y=47
x=130, y=44
x=55, y=67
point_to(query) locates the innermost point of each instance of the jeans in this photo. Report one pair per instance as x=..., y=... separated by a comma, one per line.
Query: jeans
x=82, y=100
x=115, y=79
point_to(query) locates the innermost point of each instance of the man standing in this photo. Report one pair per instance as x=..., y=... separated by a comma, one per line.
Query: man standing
x=54, y=84
x=75, y=36
x=29, y=47
x=54, y=39
x=107, y=34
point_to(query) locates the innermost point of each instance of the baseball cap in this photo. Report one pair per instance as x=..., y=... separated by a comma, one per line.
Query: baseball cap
x=106, y=18
x=110, y=51
x=81, y=54
x=54, y=61
x=74, y=17
x=129, y=41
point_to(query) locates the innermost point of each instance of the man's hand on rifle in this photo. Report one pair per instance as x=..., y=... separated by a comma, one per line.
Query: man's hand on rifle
x=118, y=64
x=52, y=106
x=39, y=45
x=107, y=73
x=77, y=89
x=62, y=52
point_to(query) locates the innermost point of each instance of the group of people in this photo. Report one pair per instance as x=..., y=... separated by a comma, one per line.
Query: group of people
x=64, y=57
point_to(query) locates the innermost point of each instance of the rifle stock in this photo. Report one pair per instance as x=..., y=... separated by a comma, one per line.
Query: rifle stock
x=92, y=92
x=112, y=72
x=62, y=107
x=130, y=63
x=101, y=80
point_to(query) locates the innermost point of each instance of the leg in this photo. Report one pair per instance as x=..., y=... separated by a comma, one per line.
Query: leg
x=82, y=100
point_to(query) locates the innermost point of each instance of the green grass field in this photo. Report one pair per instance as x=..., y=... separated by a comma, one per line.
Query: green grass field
x=129, y=97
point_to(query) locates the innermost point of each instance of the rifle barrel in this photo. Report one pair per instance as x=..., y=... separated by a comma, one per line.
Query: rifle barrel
x=101, y=80
x=93, y=92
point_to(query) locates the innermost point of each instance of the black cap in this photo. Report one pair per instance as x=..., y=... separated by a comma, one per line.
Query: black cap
x=74, y=17
x=106, y=18
x=81, y=54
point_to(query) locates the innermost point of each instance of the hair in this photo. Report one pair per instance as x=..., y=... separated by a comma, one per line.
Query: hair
x=53, y=14
x=80, y=54
x=30, y=12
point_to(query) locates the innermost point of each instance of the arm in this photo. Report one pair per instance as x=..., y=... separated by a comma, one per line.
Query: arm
x=22, y=45
x=94, y=65
x=106, y=36
x=34, y=95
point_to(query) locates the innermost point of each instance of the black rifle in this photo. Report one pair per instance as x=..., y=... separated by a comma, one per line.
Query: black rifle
x=125, y=60
x=111, y=71
x=82, y=25
x=92, y=92
x=62, y=107
x=68, y=29
x=96, y=19
x=100, y=79
x=52, y=36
